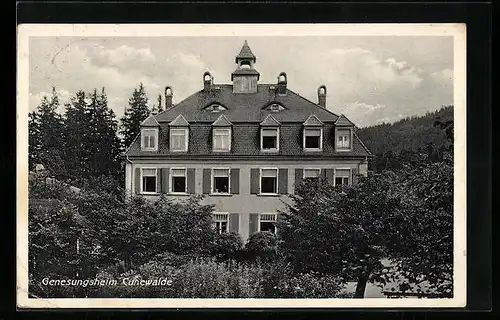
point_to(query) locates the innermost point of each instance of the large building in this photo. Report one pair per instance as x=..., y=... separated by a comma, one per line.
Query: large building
x=244, y=145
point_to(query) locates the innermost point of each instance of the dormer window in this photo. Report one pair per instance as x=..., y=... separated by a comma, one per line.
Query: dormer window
x=149, y=139
x=275, y=107
x=179, y=134
x=343, y=139
x=313, y=139
x=222, y=139
x=269, y=140
x=215, y=108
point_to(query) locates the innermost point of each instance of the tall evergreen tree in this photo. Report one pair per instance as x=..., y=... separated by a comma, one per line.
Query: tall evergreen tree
x=136, y=112
x=46, y=135
x=34, y=141
x=76, y=132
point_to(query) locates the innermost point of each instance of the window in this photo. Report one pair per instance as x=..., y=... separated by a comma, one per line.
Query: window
x=342, y=177
x=220, y=180
x=269, y=181
x=178, y=180
x=149, y=139
x=311, y=173
x=179, y=139
x=267, y=222
x=269, y=139
x=275, y=107
x=220, y=223
x=222, y=140
x=214, y=108
x=313, y=139
x=149, y=180
x=343, y=139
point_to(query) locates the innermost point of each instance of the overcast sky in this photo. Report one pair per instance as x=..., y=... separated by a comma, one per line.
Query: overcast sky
x=369, y=79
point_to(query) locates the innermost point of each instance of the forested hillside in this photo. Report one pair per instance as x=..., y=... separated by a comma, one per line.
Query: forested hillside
x=408, y=139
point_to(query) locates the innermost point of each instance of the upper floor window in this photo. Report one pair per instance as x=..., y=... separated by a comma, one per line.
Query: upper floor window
x=179, y=139
x=269, y=140
x=220, y=181
x=149, y=141
x=221, y=139
x=269, y=181
x=343, y=139
x=178, y=179
x=313, y=139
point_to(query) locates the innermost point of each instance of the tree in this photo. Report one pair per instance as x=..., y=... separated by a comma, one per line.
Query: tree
x=46, y=135
x=136, y=113
x=340, y=231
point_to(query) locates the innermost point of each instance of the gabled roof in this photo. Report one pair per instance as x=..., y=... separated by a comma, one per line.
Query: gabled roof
x=343, y=121
x=245, y=53
x=222, y=121
x=150, y=122
x=269, y=121
x=180, y=121
x=313, y=121
x=246, y=107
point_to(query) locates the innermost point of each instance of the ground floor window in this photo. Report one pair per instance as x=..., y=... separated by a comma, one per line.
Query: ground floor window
x=148, y=180
x=220, y=223
x=267, y=222
x=342, y=177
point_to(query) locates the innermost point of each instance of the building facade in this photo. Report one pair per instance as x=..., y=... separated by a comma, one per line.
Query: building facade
x=244, y=145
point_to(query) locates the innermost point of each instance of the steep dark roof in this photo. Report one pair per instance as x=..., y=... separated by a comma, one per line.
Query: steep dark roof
x=246, y=107
x=246, y=142
x=245, y=53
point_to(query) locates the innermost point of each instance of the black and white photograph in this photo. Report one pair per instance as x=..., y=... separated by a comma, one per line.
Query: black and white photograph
x=241, y=165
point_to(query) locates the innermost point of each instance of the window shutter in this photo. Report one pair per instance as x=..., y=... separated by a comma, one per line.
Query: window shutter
x=329, y=175
x=299, y=174
x=253, y=223
x=283, y=181
x=137, y=181
x=158, y=180
x=191, y=176
x=165, y=179
x=207, y=175
x=355, y=176
x=254, y=181
x=234, y=222
x=235, y=181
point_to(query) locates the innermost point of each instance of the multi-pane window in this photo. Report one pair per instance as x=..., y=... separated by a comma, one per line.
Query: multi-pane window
x=179, y=139
x=222, y=139
x=220, y=180
x=267, y=222
x=343, y=139
x=178, y=180
x=148, y=180
x=269, y=181
x=149, y=139
x=269, y=138
x=312, y=138
x=311, y=173
x=342, y=177
x=220, y=222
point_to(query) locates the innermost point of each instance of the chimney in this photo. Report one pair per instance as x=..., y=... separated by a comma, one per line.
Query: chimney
x=322, y=96
x=282, y=83
x=168, y=97
x=207, y=81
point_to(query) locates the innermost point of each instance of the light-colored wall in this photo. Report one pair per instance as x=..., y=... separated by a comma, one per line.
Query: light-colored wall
x=243, y=203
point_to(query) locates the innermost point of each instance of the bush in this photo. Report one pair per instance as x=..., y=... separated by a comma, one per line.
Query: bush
x=227, y=246
x=263, y=245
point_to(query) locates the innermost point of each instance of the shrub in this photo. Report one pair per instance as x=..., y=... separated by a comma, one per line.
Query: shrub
x=227, y=246
x=262, y=245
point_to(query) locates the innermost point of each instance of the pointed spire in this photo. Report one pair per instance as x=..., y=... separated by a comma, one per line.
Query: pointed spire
x=245, y=53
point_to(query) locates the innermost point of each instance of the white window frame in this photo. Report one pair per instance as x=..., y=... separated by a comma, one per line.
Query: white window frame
x=260, y=180
x=213, y=139
x=275, y=220
x=277, y=139
x=171, y=178
x=349, y=181
x=304, y=172
x=214, y=225
x=142, y=180
x=186, y=138
x=337, y=148
x=154, y=132
x=320, y=139
x=212, y=181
